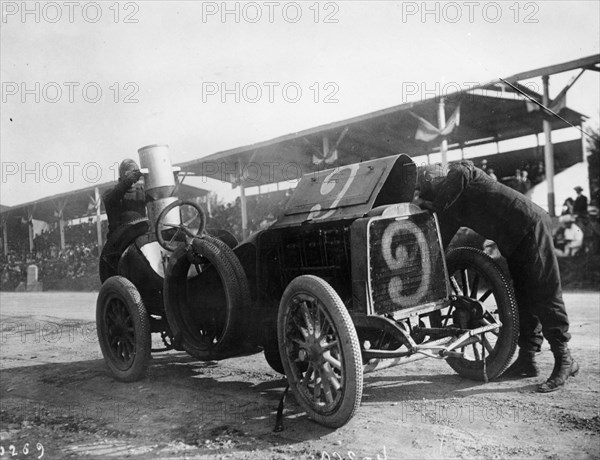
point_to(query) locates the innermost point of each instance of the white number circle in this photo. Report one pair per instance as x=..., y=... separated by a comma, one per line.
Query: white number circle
x=400, y=258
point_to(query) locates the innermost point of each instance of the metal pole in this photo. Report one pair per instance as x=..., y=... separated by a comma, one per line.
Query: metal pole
x=442, y=125
x=548, y=149
x=98, y=218
x=244, y=212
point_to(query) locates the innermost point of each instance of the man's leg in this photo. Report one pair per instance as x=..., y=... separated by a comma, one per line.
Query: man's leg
x=549, y=306
x=530, y=327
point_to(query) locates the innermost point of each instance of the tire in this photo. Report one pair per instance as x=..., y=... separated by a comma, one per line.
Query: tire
x=204, y=331
x=498, y=301
x=334, y=356
x=123, y=328
x=240, y=274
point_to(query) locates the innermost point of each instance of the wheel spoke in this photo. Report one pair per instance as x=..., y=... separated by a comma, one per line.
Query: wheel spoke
x=317, y=387
x=465, y=281
x=301, y=343
x=329, y=345
x=331, y=360
x=455, y=286
x=318, y=322
x=486, y=343
x=475, y=286
x=476, y=352
x=300, y=327
x=307, y=317
x=485, y=295
x=327, y=391
x=307, y=375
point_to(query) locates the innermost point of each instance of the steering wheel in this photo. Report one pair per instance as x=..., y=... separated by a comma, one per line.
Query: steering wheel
x=192, y=221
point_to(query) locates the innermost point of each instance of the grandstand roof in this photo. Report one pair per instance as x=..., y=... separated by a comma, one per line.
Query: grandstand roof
x=491, y=112
x=76, y=204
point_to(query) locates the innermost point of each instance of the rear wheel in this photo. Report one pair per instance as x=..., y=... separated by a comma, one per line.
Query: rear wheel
x=476, y=276
x=123, y=328
x=320, y=351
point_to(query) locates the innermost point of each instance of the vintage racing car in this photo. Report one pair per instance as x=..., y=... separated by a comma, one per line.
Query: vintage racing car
x=351, y=278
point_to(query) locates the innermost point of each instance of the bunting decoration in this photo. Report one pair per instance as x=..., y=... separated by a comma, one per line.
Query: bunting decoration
x=427, y=132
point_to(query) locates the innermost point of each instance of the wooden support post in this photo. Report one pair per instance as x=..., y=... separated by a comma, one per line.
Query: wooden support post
x=548, y=148
x=244, y=210
x=30, y=228
x=61, y=228
x=5, y=235
x=442, y=125
x=98, y=203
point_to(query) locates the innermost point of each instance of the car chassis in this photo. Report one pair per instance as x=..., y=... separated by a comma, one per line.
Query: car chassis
x=351, y=278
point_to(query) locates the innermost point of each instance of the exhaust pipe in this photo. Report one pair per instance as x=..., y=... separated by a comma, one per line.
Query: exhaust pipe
x=159, y=182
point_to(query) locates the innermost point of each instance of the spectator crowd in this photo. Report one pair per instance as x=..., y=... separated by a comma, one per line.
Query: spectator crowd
x=78, y=261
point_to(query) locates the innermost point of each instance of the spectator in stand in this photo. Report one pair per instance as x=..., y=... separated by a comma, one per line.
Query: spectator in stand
x=126, y=201
x=525, y=182
x=567, y=207
x=484, y=166
x=581, y=204
x=490, y=173
x=572, y=237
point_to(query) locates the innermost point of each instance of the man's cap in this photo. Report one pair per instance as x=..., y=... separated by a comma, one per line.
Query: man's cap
x=578, y=189
x=429, y=173
x=127, y=165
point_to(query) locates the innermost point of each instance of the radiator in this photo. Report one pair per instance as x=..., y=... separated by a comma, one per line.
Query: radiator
x=406, y=264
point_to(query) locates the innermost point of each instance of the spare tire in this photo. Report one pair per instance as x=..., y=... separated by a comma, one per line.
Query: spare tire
x=205, y=312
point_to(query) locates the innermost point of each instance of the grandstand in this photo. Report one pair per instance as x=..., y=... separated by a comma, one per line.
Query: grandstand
x=62, y=235
x=503, y=122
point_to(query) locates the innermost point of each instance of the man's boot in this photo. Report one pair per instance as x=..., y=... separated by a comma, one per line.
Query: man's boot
x=564, y=367
x=523, y=367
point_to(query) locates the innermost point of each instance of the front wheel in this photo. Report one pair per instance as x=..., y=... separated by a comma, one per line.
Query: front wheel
x=320, y=351
x=123, y=328
x=475, y=275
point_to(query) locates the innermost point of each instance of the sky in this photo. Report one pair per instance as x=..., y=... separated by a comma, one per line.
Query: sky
x=85, y=84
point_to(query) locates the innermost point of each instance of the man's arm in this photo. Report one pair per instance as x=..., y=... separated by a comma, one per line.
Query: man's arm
x=119, y=190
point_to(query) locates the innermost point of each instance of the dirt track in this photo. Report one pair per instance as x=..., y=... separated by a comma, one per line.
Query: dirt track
x=55, y=391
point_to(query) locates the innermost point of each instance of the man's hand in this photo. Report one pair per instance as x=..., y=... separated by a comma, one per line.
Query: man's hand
x=133, y=176
x=423, y=204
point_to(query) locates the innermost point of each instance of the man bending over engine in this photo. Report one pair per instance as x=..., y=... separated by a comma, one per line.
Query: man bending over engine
x=467, y=197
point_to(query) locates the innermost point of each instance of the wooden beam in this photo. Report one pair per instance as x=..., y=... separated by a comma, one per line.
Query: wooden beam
x=581, y=63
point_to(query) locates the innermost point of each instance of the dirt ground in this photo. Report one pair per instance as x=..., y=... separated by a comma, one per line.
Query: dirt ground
x=58, y=400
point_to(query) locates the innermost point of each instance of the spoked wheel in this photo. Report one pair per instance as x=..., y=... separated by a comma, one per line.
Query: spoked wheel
x=179, y=222
x=123, y=328
x=320, y=351
x=476, y=276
